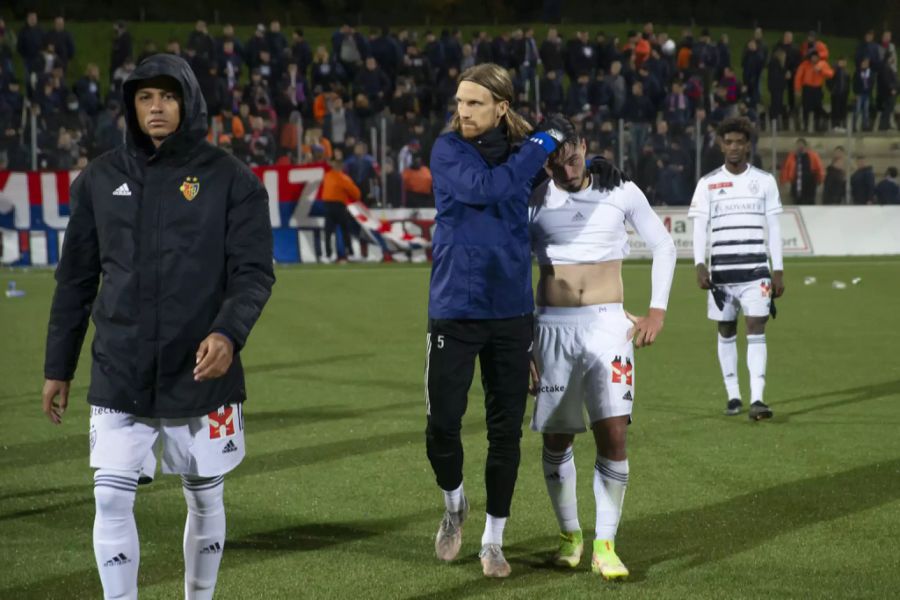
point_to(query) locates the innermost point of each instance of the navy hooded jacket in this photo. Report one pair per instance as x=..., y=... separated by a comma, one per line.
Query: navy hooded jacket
x=481, y=253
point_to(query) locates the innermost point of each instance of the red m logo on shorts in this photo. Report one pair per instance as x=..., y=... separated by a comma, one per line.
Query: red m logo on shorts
x=622, y=370
x=221, y=423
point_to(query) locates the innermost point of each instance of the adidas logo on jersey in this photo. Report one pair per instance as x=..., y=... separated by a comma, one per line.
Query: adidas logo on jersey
x=122, y=190
x=117, y=561
x=578, y=217
x=628, y=396
x=211, y=549
x=229, y=447
x=721, y=192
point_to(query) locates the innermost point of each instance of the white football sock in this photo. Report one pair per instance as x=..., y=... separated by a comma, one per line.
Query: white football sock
x=610, y=481
x=728, y=361
x=493, y=530
x=756, y=364
x=559, y=475
x=204, y=535
x=454, y=500
x=115, y=533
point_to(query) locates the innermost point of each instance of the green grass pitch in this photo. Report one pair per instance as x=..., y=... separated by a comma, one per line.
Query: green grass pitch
x=336, y=499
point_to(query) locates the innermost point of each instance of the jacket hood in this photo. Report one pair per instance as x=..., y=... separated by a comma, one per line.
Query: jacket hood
x=193, y=126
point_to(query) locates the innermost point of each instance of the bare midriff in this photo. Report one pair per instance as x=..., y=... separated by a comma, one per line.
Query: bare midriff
x=580, y=285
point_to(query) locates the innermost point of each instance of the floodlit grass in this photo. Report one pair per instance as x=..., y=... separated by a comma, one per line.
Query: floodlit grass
x=336, y=499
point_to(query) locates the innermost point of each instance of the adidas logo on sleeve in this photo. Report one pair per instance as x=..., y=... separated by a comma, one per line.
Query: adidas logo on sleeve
x=122, y=190
x=229, y=447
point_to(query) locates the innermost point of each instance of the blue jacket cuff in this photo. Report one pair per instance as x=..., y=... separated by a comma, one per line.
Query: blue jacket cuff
x=544, y=140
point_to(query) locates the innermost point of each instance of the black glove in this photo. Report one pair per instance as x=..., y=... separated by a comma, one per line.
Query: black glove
x=606, y=175
x=719, y=296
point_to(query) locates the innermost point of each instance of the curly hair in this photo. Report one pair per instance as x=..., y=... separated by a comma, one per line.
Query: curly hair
x=741, y=125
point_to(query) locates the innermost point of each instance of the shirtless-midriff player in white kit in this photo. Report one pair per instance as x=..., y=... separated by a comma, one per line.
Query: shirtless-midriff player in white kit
x=585, y=340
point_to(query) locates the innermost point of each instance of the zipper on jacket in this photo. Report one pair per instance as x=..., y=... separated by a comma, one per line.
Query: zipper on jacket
x=158, y=290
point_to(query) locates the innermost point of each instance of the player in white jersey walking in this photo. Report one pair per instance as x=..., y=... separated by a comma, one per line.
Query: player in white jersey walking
x=584, y=339
x=732, y=207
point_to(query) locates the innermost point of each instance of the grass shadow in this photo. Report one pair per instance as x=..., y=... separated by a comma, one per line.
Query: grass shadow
x=854, y=395
x=717, y=531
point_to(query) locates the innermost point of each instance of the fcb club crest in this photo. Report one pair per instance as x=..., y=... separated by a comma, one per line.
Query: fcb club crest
x=622, y=370
x=221, y=423
x=754, y=187
x=190, y=188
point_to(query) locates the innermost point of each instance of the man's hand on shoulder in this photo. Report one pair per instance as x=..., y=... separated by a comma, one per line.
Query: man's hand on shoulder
x=214, y=357
x=54, y=408
x=605, y=175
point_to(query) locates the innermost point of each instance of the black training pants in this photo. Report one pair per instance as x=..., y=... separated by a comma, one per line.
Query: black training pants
x=812, y=106
x=337, y=216
x=503, y=347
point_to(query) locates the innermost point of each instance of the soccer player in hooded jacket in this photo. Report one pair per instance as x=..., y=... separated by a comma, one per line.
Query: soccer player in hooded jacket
x=176, y=234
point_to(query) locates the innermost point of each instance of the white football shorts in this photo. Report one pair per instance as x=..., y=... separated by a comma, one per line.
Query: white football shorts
x=205, y=446
x=752, y=298
x=586, y=361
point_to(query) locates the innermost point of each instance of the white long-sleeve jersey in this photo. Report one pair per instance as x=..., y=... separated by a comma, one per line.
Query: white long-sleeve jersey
x=589, y=227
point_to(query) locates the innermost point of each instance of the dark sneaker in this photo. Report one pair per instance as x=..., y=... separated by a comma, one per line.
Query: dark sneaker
x=759, y=411
x=734, y=407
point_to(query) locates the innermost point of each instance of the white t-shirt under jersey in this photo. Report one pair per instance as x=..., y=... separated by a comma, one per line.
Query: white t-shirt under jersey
x=737, y=208
x=589, y=227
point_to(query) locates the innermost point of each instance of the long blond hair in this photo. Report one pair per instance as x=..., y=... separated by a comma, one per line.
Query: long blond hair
x=496, y=80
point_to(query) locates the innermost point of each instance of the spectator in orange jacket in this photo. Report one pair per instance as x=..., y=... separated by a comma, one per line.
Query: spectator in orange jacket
x=417, y=189
x=320, y=106
x=809, y=81
x=813, y=44
x=641, y=50
x=315, y=146
x=803, y=170
x=228, y=126
x=338, y=190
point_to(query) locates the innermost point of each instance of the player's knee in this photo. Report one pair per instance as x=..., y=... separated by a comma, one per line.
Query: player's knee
x=756, y=325
x=728, y=329
x=614, y=449
x=504, y=440
x=558, y=442
x=204, y=495
x=114, y=492
x=610, y=436
x=442, y=433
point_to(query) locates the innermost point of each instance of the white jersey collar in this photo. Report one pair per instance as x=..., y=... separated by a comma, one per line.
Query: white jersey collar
x=556, y=196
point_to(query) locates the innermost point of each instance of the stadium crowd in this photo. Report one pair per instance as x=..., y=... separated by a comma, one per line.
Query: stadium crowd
x=275, y=99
